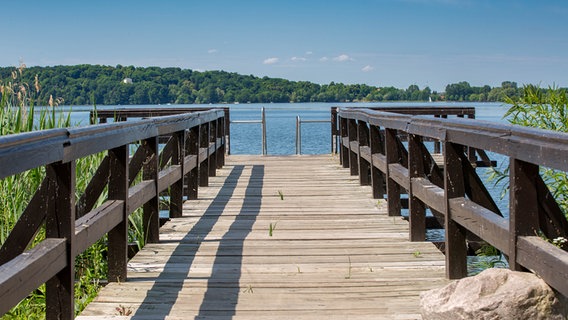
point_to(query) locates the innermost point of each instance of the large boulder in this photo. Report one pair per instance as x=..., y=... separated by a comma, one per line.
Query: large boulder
x=494, y=294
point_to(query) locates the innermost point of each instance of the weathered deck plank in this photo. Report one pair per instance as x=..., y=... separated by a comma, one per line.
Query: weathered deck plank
x=333, y=252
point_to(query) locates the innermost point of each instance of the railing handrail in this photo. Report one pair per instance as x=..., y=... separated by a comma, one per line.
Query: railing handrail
x=371, y=147
x=429, y=110
x=195, y=148
x=490, y=136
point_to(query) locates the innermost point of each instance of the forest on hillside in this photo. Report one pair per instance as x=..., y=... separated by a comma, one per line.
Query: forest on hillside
x=129, y=85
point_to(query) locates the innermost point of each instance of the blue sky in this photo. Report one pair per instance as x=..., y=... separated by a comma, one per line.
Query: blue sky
x=376, y=42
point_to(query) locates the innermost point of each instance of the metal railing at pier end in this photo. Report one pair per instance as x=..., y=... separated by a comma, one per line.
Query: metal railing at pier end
x=262, y=122
x=299, y=122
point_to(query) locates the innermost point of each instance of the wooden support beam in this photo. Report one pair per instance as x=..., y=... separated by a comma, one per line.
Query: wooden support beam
x=364, y=165
x=60, y=224
x=204, y=159
x=118, y=236
x=456, y=248
x=151, y=207
x=344, y=148
x=176, y=189
x=393, y=157
x=353, y=151
x=212, y=159
x=377, y=177
x=136, y=163
x=167, y=151
x=416, y=208
x=26, y=272
x=193, y=175
x=27, y=226
x=548, y=261
x=482, y=222
x=220, y=143
x=94, y=189
x=523, y=206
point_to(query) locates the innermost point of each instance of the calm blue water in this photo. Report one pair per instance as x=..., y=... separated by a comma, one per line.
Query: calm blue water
x=316, y=137
x=281, y=123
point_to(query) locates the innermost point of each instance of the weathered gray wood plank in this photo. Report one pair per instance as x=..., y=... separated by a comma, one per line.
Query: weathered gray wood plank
x=278, y=238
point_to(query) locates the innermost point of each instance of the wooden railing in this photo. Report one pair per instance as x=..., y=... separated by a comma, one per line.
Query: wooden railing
x=371, y=147
x=123, y=114
x=437, y=112
x=194, y=146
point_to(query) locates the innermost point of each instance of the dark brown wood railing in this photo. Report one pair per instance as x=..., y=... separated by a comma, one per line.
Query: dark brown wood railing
x=436, y=111
x=371, y=147
x=123, y=114
x=193, y=147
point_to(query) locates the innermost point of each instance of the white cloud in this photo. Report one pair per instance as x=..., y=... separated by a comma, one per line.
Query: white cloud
x=298, y=59
x=367, y=68
x=342, y=58
x=212, y=51
x=309, y=53
x=270, y=60
x=324, y=59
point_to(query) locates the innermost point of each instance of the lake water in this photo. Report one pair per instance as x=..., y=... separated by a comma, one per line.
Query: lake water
x=316, y=137
x=281, y=123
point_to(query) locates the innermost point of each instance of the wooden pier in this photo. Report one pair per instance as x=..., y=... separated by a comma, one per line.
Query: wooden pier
x=296, y=237
x=278, y=238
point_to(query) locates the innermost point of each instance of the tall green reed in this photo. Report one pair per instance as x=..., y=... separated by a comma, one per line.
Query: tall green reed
x=19, y=113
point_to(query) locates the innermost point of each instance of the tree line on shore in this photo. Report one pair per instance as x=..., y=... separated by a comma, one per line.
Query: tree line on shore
x=129, y=85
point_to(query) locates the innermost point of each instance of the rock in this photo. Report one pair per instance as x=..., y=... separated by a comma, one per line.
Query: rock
x=494, y=294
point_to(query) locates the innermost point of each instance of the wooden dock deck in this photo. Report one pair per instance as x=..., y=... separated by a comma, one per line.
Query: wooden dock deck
x=292, y=237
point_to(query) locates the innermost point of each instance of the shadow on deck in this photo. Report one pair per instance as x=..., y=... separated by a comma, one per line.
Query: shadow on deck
x=332, y=251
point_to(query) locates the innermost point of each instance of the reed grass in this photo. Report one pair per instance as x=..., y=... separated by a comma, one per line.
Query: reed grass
x=19, y=113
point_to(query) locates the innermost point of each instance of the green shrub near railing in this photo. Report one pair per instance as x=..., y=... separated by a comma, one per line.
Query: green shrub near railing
x=544, y=109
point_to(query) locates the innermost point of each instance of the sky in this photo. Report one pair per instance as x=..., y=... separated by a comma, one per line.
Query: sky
x=376, y=42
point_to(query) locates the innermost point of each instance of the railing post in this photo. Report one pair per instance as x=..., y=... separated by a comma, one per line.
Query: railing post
x=118, y=236
x=212, y=156
x=264, y=143
x=353, y=156
x=456, y=249
x=220, y=138
x=60, y=223
x=523, y=202
x=364, y=165
x=298, y=135
x=227, y=131
x=204, y=149
x=193, y=175
x=437, y=144
x=416, y=208
x=393, y=189
x=377, y=177
x=470, y=150
x=334, y=130
x=176, y=189
x=151, y=208
x=344, y=149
